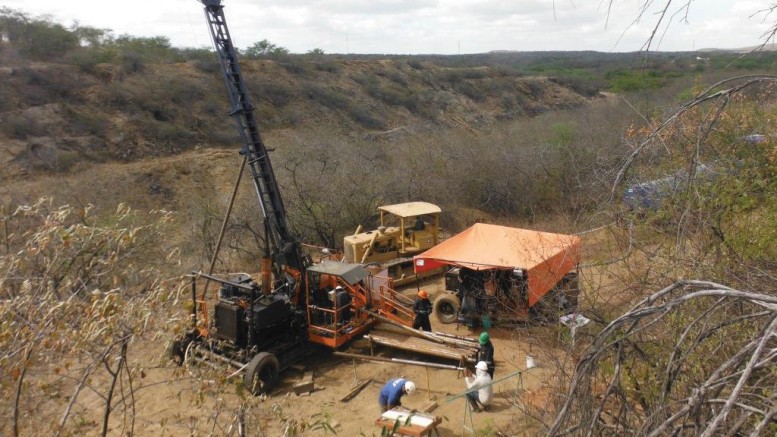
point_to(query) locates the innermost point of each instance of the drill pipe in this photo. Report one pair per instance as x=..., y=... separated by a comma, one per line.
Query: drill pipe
x=399, y=360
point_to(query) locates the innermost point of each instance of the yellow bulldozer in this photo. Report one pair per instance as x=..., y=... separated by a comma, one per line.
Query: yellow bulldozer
x=406, y=230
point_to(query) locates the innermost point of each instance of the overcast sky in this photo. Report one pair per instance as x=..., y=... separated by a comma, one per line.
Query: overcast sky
x=421, y=26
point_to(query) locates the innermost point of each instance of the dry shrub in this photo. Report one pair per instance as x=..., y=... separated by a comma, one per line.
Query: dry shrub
x=77, y=295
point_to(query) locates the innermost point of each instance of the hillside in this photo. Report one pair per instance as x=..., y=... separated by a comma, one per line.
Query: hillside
x=56, y=117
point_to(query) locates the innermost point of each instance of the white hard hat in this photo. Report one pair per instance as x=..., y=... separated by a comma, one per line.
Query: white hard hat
x=409, y=387
x=339, y=287
x=481, y=365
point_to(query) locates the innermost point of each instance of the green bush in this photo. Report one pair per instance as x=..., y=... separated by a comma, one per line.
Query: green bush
x=329, y=66
x=164, y=132
x=132, y=62
x=508, y=102
x=634, y=80
x=329, y=97
x=41, y=40
x=19, y=127
x=415, y=65
x=82, y=123
x=66, y=159
x=363, y=116
x=143, y=50
x=120, y=96
x=583, y=86
x=279, y=95
x=294, y=65
x=50, y=85
x=470, y=91
x=397, y=77
x=86, y=59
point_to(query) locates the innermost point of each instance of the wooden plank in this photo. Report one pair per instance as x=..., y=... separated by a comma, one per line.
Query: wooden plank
x=356, y=390
x=306, y=385
x=453, y=341
x=419, y=345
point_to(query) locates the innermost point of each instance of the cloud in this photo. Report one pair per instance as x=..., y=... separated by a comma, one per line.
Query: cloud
x=425, y=26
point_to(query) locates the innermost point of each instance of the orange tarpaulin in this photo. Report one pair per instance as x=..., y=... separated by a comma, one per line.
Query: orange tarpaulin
x=545, y=257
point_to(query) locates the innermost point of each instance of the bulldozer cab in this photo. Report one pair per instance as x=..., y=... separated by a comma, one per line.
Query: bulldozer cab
x=418, y=224
x=405, y=229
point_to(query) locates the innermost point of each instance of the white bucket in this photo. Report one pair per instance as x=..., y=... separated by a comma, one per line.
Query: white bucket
x=530, y=364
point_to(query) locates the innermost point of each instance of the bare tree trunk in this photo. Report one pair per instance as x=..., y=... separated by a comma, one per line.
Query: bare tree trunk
x=19, y=390
x=115, y=374
x=73, y=398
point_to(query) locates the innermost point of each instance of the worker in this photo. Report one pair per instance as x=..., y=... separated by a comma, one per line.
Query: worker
x=321, y=304
x=419, y=224
x=422, y=308
x=486, y=352
x=481, y=384
x=343, y=301
x=391, y=394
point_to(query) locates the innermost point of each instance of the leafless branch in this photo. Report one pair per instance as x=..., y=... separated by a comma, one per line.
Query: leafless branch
x=739, y=326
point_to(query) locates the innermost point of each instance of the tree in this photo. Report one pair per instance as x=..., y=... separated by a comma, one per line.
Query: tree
x=264, y=49
x=36, y=38
x=91, y=36
x=316, y=53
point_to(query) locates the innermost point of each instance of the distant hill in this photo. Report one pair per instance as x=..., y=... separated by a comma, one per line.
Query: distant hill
x=769, y=47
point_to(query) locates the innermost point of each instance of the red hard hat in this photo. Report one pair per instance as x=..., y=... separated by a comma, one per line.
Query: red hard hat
x=422, y=294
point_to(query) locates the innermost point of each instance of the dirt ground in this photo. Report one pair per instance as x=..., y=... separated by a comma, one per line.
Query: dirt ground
x=168, y=404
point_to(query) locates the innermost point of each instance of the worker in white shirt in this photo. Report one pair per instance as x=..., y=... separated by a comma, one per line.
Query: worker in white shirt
x=480, y=384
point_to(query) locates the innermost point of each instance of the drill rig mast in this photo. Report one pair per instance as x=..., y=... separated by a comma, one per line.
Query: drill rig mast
x=283, y=248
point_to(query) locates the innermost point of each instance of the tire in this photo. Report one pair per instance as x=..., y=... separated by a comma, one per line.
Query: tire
x=548, y=309
x=446, y=308
x=261, y=373
x=559, y=301
x=176, y=352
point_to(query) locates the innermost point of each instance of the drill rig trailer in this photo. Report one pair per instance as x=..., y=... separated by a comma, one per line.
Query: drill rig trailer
x=264, y=333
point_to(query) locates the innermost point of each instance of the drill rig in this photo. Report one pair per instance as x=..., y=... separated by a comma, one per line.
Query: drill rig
x=262, y=327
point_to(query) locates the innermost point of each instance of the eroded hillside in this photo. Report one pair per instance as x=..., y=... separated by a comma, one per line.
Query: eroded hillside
x=56, y=117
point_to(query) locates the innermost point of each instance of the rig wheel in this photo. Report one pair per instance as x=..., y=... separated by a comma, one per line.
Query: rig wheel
x=446, y=308
x=261, y=373
x=176, y=351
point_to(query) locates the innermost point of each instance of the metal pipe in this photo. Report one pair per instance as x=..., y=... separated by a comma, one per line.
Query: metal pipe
x=224, y=224
x=216, y=356
x=194, y=301
x=458, y=337
x=398, y=360
x=471, y=390
x=422, y=334
x=222, y=281
x=251, y=319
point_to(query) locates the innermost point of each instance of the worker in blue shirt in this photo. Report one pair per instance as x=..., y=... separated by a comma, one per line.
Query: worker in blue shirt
x=391, y=394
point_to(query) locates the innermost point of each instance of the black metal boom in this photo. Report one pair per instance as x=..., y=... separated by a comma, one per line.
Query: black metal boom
x=283, y=247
